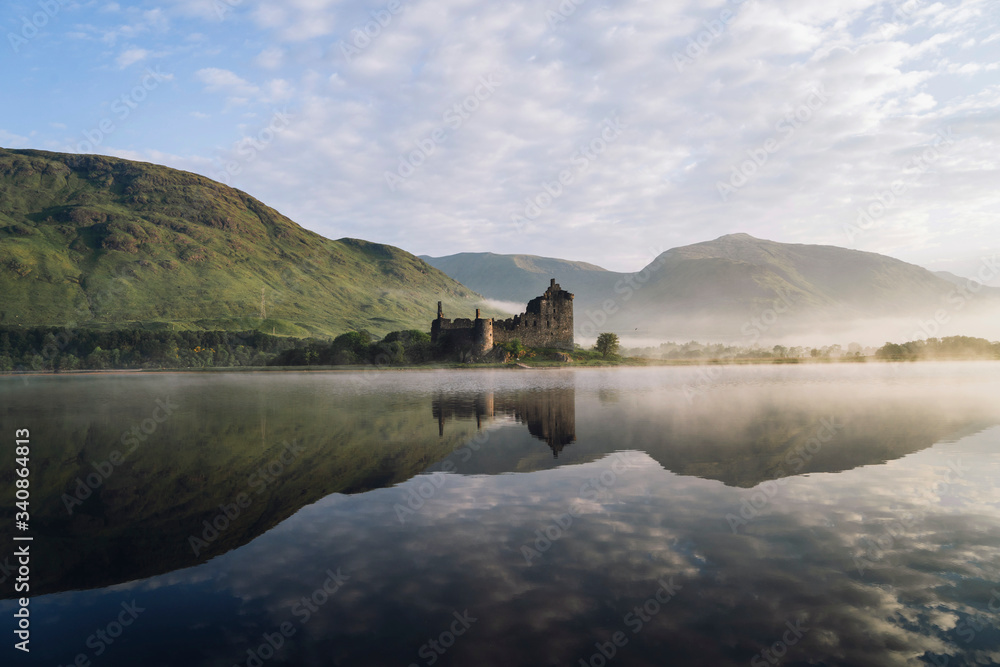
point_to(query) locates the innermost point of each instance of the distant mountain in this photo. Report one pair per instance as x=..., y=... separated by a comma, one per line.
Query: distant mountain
x=519, y=278
x=738, y=288
x=968, y=282
x=743, y=274
x=98, y=241
x=951, y=277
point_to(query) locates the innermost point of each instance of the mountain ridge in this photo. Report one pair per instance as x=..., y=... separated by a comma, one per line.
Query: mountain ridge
x=520, y=278
x=717, y=289
x=88, y=240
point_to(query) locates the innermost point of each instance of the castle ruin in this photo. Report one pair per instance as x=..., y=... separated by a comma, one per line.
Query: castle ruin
x=546, y=322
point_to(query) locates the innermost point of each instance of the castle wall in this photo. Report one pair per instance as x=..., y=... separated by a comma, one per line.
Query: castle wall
x=459, y=333
x=547, y=322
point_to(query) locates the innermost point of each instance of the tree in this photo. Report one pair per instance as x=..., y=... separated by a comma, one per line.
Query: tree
x=351, y=347
x=607, y=344
x=514, y=348
x=65, y=362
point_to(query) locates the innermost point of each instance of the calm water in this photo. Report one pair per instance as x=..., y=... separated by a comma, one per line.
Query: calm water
x=795, y=515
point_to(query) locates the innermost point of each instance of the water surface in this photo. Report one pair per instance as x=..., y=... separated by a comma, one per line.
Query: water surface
x=762, y=515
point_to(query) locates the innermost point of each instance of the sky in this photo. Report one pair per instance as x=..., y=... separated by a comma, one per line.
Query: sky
x=605, y=132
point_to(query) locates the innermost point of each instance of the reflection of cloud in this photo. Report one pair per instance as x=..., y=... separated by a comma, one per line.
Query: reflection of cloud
x=462, y=552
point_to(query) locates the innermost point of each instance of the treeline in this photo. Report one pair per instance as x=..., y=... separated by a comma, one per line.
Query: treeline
x=696, y=350
x=950, y=347
x=358, y=347
x=60, y=349
x=63, y=349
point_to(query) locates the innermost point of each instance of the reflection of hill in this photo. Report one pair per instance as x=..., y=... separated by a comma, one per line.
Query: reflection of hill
x=743, y=436
x=222, y=441
x=784, y=448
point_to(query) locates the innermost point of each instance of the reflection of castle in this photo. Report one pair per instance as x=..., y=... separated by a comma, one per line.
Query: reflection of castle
x=550, y=415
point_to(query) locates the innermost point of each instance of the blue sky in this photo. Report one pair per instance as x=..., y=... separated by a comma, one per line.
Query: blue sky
x=599, y=131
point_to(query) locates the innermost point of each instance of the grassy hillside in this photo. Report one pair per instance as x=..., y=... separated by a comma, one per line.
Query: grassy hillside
x=96, y=241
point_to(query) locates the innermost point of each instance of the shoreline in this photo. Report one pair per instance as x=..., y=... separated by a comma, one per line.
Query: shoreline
x=634, y=362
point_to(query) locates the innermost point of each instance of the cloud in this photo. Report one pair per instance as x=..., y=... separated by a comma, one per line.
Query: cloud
x=279, y=90
x=270, y=58
x=221, y=80
x=464, y=549
x=11, y=140
x=140, y=23
x=698, y=89
x=512, y=307
x=131, y=56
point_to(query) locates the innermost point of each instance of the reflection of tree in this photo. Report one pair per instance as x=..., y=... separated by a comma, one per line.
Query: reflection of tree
x=550, y=415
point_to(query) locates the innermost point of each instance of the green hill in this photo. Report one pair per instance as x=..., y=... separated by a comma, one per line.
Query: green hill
x=96, y=241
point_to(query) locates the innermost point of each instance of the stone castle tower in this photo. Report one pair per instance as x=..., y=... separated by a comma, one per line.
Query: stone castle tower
x=546, y=322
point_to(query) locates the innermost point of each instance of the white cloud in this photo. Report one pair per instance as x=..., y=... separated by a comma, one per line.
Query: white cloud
x=131, y=56
x=512, y=307
x=11, y=140
x=139, y=23
x=279, y=89
x=270, y=58
x=222, y=80
x=895, y=75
